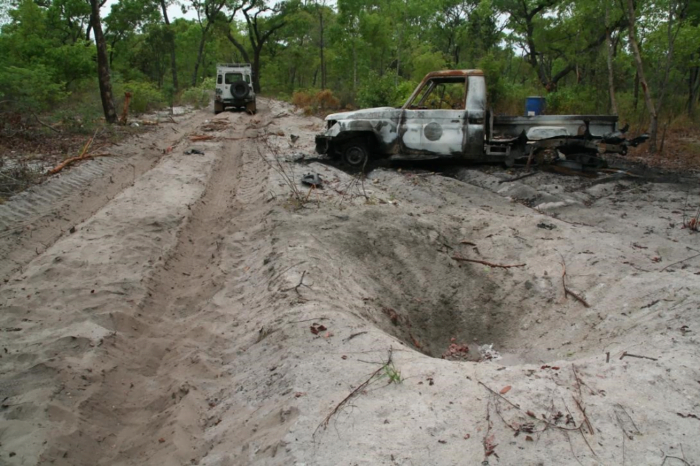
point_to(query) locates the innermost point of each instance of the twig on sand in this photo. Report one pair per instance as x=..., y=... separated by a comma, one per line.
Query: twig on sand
x=518, y=177
x=630, y=355
x=674, y=457
x=528, y=413
x=298, y=285
x=354, y=335
x=84, y=155
x=200, y=137
x=353, y=393
x=463, y=259
x=678, y=262
x=567, y=291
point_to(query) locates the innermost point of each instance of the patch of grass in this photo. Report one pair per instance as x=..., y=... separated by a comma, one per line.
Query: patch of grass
x=391, y=373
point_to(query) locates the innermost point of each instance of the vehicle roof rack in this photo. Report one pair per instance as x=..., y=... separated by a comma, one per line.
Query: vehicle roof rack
x=235, y=64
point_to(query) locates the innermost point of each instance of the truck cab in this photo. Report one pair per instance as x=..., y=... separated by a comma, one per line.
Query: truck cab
x=234, y=87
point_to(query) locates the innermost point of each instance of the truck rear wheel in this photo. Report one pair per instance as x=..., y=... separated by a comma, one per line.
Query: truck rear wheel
x=218, y=107
x=251, y=108
x=355, y=153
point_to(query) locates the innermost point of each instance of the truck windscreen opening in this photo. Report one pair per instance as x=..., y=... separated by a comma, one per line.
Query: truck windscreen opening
x=233, y=78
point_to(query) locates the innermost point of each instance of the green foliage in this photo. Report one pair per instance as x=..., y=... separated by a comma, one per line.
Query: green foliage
x=199, y=96
x=391, y=373
x=30, y=88
x=361, y=53
x=144, y=96
x=381, y=91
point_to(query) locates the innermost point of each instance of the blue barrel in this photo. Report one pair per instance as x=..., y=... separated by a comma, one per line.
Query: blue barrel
x=534, y=106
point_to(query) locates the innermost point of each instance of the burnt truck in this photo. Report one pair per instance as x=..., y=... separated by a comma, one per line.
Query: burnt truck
x=447, y=116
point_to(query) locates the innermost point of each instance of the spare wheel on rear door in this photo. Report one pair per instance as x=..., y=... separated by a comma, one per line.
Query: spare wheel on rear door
x=239, y=89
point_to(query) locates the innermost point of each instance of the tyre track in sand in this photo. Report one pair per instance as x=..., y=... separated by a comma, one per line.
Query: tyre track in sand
x=161, y=379
x=33, y=220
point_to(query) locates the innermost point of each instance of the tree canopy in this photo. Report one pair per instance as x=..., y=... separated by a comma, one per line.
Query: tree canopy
x=578, y=53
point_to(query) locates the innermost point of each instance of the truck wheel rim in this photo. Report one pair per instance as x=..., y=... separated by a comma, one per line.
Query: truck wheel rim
x=355, y=156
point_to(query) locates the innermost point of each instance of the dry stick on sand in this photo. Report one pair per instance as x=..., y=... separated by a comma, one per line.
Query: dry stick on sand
x=83, y=156
x=686, y=259
x=518, y=177
x=200, y=137
x=586, y=422
x=567, y=291
x=630, y=355
x=298, y=285
x=353, y=394
x=463, y=259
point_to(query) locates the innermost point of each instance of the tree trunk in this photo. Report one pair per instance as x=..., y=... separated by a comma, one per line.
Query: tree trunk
x=171, y=34
x=354, y=69
x=323, y=61
x=103, y=75
x=635, y=102
x=200, y=52
x=399, y=45
x=611, y=71
x=256, y=70
x=653, y=116
x=693, y=89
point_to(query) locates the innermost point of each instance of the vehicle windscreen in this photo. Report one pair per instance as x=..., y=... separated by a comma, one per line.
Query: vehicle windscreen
x=441, y=94
x=233, y=78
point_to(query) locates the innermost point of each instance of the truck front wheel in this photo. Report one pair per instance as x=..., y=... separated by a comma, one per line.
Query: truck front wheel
x=355, y=153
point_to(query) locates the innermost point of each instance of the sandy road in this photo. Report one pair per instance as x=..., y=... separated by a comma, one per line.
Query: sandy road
x=99, y=353
x=206, y=314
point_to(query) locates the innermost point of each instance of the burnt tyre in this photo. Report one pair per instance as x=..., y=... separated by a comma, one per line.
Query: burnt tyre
x=355, y=153
x=239, y=89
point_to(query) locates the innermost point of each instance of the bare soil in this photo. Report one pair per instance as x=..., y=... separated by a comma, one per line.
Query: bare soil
x=210, y=309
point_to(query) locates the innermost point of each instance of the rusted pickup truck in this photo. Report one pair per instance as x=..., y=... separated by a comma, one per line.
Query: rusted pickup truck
x=447, y=116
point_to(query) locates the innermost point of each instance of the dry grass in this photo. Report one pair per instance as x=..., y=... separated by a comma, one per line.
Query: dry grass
x=316, y=102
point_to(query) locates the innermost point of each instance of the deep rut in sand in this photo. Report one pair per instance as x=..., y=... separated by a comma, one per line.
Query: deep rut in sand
x=170, y=342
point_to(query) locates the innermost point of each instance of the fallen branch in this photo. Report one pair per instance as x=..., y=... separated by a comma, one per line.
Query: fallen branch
x=83, y=156
x=200, y=137
x=72, y=160
x=567, y=291
x=490, y=264
x=45, y=125
x=518, y=177
x=630, y=355
x=354, y=335
x=298, y=285
x=686, y=259
x=352, y=394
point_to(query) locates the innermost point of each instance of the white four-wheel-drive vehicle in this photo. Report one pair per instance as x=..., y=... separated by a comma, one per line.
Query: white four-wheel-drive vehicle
x=234, y=87
x=447, y=116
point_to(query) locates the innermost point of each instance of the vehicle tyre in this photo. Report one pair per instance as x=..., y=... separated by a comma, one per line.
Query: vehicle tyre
x=355, y=153
x=218, y=107
x=239, y=89
x=251, y=108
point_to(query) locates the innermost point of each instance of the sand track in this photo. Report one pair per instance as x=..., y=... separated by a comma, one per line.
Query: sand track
x=174, y=326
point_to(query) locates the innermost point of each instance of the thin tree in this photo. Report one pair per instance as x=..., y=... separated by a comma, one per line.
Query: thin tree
x=171, y=39
x=675, y=10
x=260, y=30
x=611, y=71
x=103, y=74
x=208, y=9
